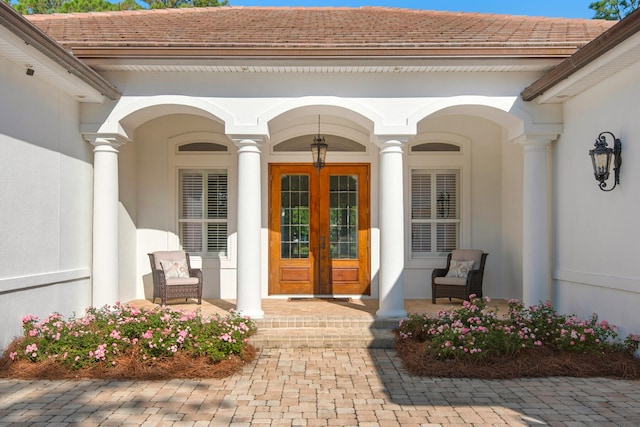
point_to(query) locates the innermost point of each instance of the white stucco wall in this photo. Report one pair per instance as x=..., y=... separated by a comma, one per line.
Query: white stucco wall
x=45, y=214
x=364, y=107
x=596, y=233
x=488, y=184
x=155, y=201
x=155, y=173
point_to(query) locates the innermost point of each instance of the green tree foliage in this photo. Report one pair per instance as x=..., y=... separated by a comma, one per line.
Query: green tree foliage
x=28, y=7
x=613, y=9
x=166, y=4
x=87, y=6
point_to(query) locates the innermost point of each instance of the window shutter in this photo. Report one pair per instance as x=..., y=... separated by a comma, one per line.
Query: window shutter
x=191, y=196
x=217, y=238
x=191, y=202
x=203, y=212
x=446, y=199
x=420, y=210
x=420, y=196
x=447, y=208
x=216, y=196
x=191, y=236
x=217, y=210
x=435, y=220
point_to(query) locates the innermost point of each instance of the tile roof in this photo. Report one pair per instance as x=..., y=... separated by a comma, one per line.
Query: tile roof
x=317, y=31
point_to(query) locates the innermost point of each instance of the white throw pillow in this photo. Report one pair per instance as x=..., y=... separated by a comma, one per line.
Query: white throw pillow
x=173, y=269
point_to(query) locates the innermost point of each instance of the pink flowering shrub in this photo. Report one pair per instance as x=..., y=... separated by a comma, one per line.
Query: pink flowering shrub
x=104, y=334
x=475, y=331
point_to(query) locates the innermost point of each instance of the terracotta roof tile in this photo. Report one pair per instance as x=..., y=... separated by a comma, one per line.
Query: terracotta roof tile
x=314, y=28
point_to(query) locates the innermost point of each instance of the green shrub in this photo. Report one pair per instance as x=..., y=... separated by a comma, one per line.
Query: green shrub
x=106, y=333
x=475, y=331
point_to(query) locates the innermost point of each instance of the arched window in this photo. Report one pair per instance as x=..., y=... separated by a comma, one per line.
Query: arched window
x=435, y=147
x=202, y=147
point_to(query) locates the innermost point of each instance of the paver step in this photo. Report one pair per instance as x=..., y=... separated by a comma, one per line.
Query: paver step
x=276, y=322
x=326, y=337
x=324, y=332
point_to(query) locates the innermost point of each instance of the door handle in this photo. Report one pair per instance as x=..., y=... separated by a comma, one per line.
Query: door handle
x=322, y=242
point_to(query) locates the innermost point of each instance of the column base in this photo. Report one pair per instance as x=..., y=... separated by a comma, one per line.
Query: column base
x=252, y=314
x=391, y=314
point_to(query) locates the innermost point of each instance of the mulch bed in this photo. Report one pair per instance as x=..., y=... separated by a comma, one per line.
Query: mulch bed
x=539, y=362
x=129, y=367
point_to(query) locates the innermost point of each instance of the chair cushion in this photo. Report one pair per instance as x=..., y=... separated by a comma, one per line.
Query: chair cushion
x=182, y=281
x=460, y=269
x=175, y=268
x=450, y=281
x=474, y=255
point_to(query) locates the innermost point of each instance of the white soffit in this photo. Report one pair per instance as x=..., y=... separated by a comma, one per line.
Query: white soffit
x=321, y=69
x=17, y=51
x=328, y=65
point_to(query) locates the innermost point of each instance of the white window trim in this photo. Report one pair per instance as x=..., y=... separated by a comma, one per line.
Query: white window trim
x=459, y=161
x=204, y=221
x=221, y=160
x=433, y=173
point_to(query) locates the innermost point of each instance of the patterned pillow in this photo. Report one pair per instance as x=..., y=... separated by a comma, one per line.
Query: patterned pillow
x=173, y=269
x=460, y=269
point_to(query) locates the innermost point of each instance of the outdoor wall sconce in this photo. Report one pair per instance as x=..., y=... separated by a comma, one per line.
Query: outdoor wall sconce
x=601, y=159
x=319, y=150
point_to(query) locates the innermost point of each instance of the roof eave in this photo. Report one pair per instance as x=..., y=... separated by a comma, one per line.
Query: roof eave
x=584, y=56
x=438, y=52
x=33, y=36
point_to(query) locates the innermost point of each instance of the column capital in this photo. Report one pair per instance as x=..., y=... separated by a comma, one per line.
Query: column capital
x=113, y=140
x=384, y=141
x=531, y=141
x=247, y=143
x=256, y=139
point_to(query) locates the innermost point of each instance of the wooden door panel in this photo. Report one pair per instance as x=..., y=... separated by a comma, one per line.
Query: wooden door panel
x=293, y=274
x=292, y=228
x=346, y=205
x=336, y=258
x=341, y=275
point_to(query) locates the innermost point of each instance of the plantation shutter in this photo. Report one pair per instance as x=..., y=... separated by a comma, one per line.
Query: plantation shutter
x=191, y=209
x=420, y=212
x=435, y=219
x=203, y=212
x=217, y=210
x=447, y=209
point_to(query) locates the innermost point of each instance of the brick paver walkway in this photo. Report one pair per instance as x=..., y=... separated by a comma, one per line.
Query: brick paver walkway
x=322, y=387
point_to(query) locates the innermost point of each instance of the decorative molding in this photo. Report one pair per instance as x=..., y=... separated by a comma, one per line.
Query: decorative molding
x=114, y=140
x=625, y=284
x=20, y=283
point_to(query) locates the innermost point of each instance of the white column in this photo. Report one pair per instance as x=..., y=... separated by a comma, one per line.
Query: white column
x=391, y=276
x=536, y=262
x=249, y=300
x=105, y=222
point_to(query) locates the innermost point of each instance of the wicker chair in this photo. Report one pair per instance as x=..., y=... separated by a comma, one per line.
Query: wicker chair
x=173, y=276
x=443, y=285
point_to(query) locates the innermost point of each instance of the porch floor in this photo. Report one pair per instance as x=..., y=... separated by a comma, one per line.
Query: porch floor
x=315, y=307
x=320, y=323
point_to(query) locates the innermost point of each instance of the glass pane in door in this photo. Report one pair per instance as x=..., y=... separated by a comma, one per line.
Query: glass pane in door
x=343, y=216
x=294, y=212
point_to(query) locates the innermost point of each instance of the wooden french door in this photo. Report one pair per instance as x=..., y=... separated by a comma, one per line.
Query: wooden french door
x=319, y=229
